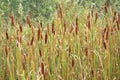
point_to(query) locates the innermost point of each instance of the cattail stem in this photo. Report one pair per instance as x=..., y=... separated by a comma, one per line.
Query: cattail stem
x=64, y=27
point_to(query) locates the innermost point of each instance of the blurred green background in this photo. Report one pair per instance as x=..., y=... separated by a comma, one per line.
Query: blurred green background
x=44, y=10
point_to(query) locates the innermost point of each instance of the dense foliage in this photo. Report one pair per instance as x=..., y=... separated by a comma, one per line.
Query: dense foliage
x=44, y=10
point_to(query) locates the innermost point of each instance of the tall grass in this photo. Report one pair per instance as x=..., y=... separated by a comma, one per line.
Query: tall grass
x=85, y=48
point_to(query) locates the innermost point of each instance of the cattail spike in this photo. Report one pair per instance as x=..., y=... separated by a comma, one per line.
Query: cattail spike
x=96, y=16
x=6, y=51
x=40, y=52
x=88, y=22
x=48, y=28
x=118, y=25
x=86, y=51
x=42, y=67
x=7, y=37
x=77, y=28
x=21, y=27
x=73, y=63
x=60, y=11
x=105, y=7
x=46, y=38
x=32, y=40
x=39, y=34
x=53, y=30
x=12, y=21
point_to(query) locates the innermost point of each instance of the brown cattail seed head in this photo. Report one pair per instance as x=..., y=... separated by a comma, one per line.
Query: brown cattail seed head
x=86, y=51
x=20, y=39
x=24, y=61
x=48, y=28
x=60, y=11
x=96, y=16
x=32, y=40
x=118, y=25
x=7, y=37
x=12, y=20
x=92, y=72
x=6, y=51
x=40, y=52
x=114, y=16
x=77, y=21
x=88, y=22
x=53, y=30
x=46, y=38
x=77, y=28
x=105, y=7
x=41, y=24
x=42, y=67
x=104, y=44
x=73, y=63
x=21, y=27
x=39, y=34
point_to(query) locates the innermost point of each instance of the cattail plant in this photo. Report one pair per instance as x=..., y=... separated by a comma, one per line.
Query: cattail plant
x=12, y=21
x=39, y=34
x=119, y=18
x=69, y=50
x=20, y=39
x=77, y=28
x=43, y=68
x=86, y=51
x=105, y=36
x=24, y=61
x=6, y=50
x=60, y=13
x=114, y=16
x=53, y=30
x=40, y=52
x=88, y=22
x=21, y=27
x=118, y=25
x=64, y=27
x=32, y=40
x=46, y=38
x=7, y=37
x=96, y=16
x=105, y=7
x=48, y=28
x=73, y=62
x=71, y=29
x=29, y=21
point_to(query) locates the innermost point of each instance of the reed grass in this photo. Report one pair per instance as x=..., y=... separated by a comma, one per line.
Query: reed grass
x=85, y=48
